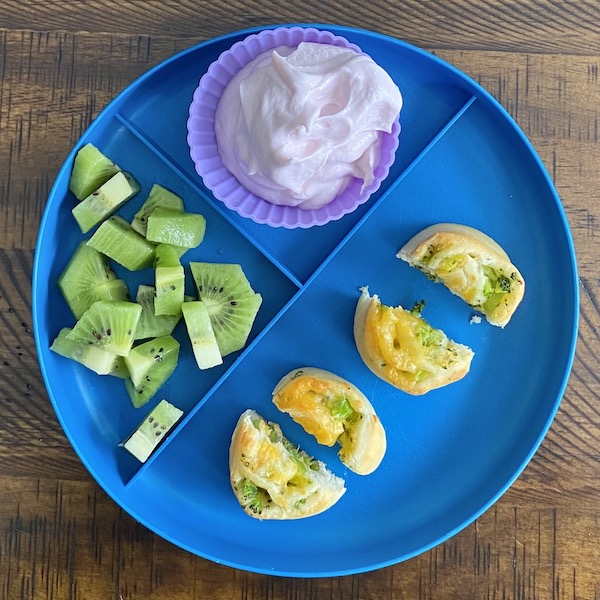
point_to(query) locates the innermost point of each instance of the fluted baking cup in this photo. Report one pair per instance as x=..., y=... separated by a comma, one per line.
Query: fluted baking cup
x=207, y=160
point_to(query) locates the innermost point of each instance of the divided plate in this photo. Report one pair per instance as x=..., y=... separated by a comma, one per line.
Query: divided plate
x=452, y=452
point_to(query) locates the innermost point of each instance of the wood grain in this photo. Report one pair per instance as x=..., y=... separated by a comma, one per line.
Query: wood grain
x=61, y=536
x=524, y=26
x=68, y=541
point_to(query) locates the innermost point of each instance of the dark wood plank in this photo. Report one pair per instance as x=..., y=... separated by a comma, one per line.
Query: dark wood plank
x=67, y=540
x=524, y=26
x=51, y=87
x=32, y=440
x=556, y=101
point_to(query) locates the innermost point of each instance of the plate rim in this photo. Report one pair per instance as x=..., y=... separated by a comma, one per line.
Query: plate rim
x=477, y=89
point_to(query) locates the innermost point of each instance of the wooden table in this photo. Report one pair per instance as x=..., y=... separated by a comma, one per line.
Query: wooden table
x=61, y=537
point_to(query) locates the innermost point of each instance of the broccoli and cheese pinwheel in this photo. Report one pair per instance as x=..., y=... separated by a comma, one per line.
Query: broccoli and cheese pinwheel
x=272, y=478
x=334, y=411
x=400, y=347
x=471, y=265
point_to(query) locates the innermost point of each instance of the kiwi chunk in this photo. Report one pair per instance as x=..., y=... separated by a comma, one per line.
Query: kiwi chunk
x=104, y=201
x=152, y=430
x=230, y=300
x=91, y=169
x=120, y=368
x=169, y=279
x=142, y=359
x=116, y=289
x=159, y=197
x=161, y=360
x=150, y=325
x=174, y=227
x=88, y=278
x=108, y=325
x=167, y=256
x=200, y=330
x=116, y=239
x=97, y=359
x=170, y=282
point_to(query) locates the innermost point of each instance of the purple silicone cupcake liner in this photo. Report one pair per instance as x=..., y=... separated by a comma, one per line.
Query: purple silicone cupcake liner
x=205, y=154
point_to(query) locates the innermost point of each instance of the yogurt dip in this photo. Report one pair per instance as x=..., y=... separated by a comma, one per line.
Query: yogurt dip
x=295, y=125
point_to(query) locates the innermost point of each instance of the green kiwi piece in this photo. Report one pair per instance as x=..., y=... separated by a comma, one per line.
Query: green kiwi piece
x=231, y=302
x=174, y=227
x=159, y=197
x=91, y=169
x=201, y=334
x=166, y=255
x=108, y=325
x=149, y=325
x=158, y=372
x=115, y=289
x=116, y=239
x=97, y=359
x=142, y=359
x=169, y=280
x=152, y=430
x=170, y=255
x=120, y=368
x=104, y=201
x=170, y=283
x=112, y=290
x=87, y=278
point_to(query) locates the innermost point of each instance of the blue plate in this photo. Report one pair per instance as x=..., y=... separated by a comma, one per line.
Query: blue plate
x=452, y=452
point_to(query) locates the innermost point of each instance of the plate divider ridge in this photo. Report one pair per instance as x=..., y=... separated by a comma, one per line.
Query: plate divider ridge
x=438, y=136
x=301, y=287
x=206, y=397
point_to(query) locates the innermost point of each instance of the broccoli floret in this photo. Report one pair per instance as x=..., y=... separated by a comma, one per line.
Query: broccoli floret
x=341, y=409
x=420, y=374
x=428, y=335
x=302, y=460
x=495, y=282
x=253, y=497
x=496, y=286
x=418, y=307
